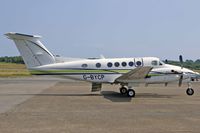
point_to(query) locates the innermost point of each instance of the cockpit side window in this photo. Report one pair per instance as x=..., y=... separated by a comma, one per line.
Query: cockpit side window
x=154, y=63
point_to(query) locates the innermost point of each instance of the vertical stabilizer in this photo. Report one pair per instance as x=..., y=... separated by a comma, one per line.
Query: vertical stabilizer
x=33, y=52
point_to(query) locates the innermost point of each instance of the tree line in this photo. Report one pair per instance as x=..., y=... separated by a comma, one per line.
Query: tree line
x=187, y=63
x=12, y=59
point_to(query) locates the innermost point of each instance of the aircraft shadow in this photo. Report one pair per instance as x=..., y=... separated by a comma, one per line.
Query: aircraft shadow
x=153, y=95
x=117, y=97
x=110, y=95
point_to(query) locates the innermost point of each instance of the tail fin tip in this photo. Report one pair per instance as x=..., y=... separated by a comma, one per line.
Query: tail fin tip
x=14, y=35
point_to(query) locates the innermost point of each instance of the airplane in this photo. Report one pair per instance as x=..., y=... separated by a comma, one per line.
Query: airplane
x=127, y=72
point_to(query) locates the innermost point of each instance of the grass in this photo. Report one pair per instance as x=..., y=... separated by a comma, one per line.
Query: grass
x=197, y=71
x=13, y=70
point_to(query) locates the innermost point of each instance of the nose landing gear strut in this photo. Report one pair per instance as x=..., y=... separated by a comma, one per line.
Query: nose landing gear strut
x=189, y=91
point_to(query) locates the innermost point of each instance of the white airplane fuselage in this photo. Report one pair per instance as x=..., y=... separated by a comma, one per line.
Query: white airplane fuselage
x=88, y=70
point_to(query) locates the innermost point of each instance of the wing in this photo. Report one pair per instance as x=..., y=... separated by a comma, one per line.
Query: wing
x=135, y=74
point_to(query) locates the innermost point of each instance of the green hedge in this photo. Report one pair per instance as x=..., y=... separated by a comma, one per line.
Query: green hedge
x=13, y=59
x=188, y=64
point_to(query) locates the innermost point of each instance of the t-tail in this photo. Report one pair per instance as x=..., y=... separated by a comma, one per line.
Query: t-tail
x=33, y=52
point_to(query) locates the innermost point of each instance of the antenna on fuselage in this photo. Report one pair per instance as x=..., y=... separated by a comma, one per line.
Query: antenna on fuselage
x=102, y=57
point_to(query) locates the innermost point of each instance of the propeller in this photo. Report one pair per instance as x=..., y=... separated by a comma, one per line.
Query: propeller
x=180, y=80
x=181, y=76
x=181, y=61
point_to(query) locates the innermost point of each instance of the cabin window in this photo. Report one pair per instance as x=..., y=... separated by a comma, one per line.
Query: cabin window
x=117, y=64
x=84, y=65
x=98, y=65
x=131, y=63
x=109, y=64
x=154, y=63
x=138, y=63
x=124, y=64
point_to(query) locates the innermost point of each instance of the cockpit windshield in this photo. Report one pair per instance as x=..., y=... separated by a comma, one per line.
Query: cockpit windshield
x=157, y=63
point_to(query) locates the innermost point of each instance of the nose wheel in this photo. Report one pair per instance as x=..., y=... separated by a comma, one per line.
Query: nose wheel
x=190, y=91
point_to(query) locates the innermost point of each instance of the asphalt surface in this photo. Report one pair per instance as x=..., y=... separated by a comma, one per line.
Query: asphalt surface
x=44, y=105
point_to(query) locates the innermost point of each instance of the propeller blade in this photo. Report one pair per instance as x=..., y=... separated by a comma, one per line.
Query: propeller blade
x=180, y=80
x=181, y=60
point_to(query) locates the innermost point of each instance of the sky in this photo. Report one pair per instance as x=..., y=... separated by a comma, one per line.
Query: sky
x=113, y=28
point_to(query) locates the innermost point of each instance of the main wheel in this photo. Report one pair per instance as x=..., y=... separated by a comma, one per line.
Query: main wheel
x=131, y=93
x=123, y=90
x=190, y=91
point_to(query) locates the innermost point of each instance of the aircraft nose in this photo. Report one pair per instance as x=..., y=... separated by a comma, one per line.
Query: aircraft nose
x=197, y=74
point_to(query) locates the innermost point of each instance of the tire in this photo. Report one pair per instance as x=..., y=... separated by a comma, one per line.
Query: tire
x=131, y=93
x=123, y=90
x=190, y=91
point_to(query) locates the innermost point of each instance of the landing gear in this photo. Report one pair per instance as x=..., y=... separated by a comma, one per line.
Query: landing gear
x=129, y=92
x=190, y=91
x=123, y=90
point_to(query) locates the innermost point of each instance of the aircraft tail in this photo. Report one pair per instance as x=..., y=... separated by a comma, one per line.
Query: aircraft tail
x=33, y=52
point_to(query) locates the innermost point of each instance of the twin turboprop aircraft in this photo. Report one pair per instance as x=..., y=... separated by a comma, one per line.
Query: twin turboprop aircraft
x=128, y=72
